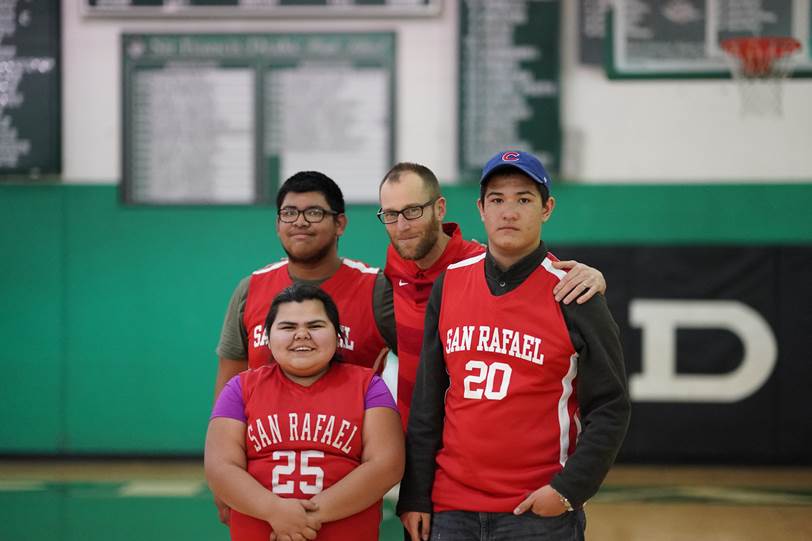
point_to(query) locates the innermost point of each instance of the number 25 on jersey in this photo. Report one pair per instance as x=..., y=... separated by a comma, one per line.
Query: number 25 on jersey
x=496, y=378
x=289, y=469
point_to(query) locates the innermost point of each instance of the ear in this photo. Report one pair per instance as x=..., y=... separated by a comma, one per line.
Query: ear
x=341, y=224
x=547, y=210
x=481, y=209
x=440, y=208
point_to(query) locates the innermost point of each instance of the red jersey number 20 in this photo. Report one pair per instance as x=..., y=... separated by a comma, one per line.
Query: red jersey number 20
x=489, y=381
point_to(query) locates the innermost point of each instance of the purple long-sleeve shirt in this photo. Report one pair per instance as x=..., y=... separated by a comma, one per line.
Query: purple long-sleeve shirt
x=230, y=403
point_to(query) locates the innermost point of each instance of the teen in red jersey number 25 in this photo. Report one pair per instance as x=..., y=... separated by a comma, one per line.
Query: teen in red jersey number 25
x=306, y=446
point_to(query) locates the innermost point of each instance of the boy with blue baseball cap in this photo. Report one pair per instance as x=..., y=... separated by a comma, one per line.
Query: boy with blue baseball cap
x=521, y=402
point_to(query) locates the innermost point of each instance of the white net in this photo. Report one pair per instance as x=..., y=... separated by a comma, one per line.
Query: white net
x=760, y=66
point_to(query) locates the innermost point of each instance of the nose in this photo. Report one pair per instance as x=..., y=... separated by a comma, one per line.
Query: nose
x=510, y=211
x=300, y=220
x=301, y=334
x=403, y=223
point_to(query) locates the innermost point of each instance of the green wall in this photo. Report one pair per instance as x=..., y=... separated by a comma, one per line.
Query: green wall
x=111, y=313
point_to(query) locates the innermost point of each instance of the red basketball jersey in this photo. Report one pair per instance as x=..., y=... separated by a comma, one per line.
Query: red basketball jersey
x=511, y=410
x=302, y=440
x=350, y=288
x=411, y=287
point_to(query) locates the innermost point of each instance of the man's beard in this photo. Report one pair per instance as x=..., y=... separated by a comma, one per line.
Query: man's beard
x=312, y=259
x=425, y=244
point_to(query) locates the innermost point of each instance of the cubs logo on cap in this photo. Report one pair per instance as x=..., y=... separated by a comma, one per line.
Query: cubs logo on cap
x=523, y=161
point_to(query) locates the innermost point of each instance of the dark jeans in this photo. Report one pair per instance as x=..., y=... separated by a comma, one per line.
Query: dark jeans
x=473, y=526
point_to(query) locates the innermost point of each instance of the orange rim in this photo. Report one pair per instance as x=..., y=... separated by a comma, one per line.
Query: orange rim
x=757, y=54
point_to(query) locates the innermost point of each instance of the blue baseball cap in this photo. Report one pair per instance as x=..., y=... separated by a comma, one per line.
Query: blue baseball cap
x=523, y=161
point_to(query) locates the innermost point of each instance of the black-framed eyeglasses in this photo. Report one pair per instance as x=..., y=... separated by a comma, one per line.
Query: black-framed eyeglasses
x=410, y=213
x=312, y=215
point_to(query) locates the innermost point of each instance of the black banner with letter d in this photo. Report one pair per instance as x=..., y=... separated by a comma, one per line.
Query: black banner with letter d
x=718, y=349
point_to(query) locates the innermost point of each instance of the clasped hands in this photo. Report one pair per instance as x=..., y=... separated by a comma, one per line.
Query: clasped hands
x=294, y=520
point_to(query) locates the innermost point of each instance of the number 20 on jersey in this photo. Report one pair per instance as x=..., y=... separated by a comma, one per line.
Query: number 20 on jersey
x=488, y=381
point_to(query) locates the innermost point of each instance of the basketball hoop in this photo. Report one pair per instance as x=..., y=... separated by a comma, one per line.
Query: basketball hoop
x=759, y=65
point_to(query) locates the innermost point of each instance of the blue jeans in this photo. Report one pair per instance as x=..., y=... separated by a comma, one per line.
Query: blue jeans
x=473, y=526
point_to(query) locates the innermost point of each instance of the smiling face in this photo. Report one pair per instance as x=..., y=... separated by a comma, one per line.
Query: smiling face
x=303, y=340
x=306, y=242
x=513, y=214
x=413, y=239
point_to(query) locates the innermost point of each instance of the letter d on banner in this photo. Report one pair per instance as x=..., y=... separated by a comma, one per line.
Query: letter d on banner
x=659, y=320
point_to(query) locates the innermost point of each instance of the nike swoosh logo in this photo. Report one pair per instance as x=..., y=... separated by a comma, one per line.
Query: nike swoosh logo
x=402, y=283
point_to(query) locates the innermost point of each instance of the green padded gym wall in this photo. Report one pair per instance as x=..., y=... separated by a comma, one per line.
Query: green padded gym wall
x=112, y=313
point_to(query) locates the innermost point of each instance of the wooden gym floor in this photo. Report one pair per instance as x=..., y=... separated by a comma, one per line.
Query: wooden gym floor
x=154, y=500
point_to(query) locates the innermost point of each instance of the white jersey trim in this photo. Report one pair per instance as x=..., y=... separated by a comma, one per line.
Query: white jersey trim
x=357, y=265
x=271, y=267
x=466, y=262
x=390, y=373
x=564, y=419
x=548, y=266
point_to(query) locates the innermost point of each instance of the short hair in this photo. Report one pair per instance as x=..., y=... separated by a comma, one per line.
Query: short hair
x=429, y=179
x=544, y=191
x=312, y=181
x=300, y=292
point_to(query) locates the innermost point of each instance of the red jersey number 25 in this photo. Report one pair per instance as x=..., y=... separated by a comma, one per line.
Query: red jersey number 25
x=288, y=468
